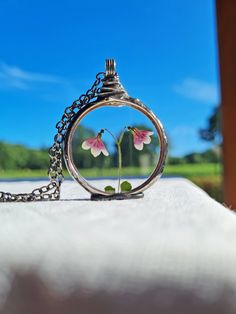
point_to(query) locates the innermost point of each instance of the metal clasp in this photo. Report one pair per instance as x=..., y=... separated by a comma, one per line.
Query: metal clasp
x=110, y=67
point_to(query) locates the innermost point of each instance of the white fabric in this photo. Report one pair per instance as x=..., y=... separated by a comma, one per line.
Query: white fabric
x=173, y=250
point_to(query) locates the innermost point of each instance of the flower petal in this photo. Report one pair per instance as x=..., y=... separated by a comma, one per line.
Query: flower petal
x=138, y=146
x=99, y=144
x=138, y=140
x=88, y=143
x=85, y=145
x=105, y=152
x=141, y=137
x=147, y=140
x=95, y=151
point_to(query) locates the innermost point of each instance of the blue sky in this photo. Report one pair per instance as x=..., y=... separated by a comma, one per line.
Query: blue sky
x=166, y=53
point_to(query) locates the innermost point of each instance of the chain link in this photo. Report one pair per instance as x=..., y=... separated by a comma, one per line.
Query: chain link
x=52, y=190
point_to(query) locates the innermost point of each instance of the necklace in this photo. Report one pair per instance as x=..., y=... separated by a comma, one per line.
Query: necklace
x=106, y=91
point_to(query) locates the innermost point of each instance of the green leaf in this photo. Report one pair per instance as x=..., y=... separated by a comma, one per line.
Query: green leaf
x=109, y=189
x=126, y=186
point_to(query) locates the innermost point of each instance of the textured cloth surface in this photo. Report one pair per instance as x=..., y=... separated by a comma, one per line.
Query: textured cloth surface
x=173, y=251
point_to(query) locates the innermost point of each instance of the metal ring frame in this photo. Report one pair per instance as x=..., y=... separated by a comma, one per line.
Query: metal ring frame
x=126, y=101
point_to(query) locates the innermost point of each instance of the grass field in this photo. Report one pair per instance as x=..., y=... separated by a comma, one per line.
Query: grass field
x=185, y=170
x=207, y=176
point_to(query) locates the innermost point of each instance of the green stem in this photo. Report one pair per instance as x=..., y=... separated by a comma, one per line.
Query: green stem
x=120, y=158
x=118, y=143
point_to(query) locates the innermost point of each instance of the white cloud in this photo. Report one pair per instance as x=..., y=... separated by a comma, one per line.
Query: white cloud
x=198, y=90
x=15, y=77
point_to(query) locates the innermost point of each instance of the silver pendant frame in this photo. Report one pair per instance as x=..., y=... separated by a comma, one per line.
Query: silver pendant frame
x=118, y=98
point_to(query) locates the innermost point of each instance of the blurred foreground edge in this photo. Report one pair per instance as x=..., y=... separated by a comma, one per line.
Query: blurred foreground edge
x=226, y=20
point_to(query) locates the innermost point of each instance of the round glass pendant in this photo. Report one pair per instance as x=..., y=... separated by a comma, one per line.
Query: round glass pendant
x=118, y=138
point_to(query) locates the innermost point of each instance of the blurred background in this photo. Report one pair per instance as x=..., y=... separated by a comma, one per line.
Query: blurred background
x=166, y=54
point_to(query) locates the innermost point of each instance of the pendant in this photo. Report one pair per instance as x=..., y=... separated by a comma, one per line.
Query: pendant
x=112, y=95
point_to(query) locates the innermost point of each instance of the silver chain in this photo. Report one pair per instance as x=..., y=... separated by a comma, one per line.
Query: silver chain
x=53, y=189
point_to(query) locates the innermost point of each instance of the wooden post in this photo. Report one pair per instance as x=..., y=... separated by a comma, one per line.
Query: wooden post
x=226, y=20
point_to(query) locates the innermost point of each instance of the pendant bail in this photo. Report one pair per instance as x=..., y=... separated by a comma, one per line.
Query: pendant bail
x=110, y=67
x=111, y=86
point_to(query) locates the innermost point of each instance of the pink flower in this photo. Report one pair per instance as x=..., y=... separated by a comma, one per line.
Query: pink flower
x=140, y=137
x=96, y=145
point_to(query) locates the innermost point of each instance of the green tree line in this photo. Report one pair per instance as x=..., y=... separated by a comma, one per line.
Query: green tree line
x=21, y=157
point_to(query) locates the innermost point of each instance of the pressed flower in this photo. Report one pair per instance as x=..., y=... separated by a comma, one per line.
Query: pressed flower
x=140, y=137
x=96, y=145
